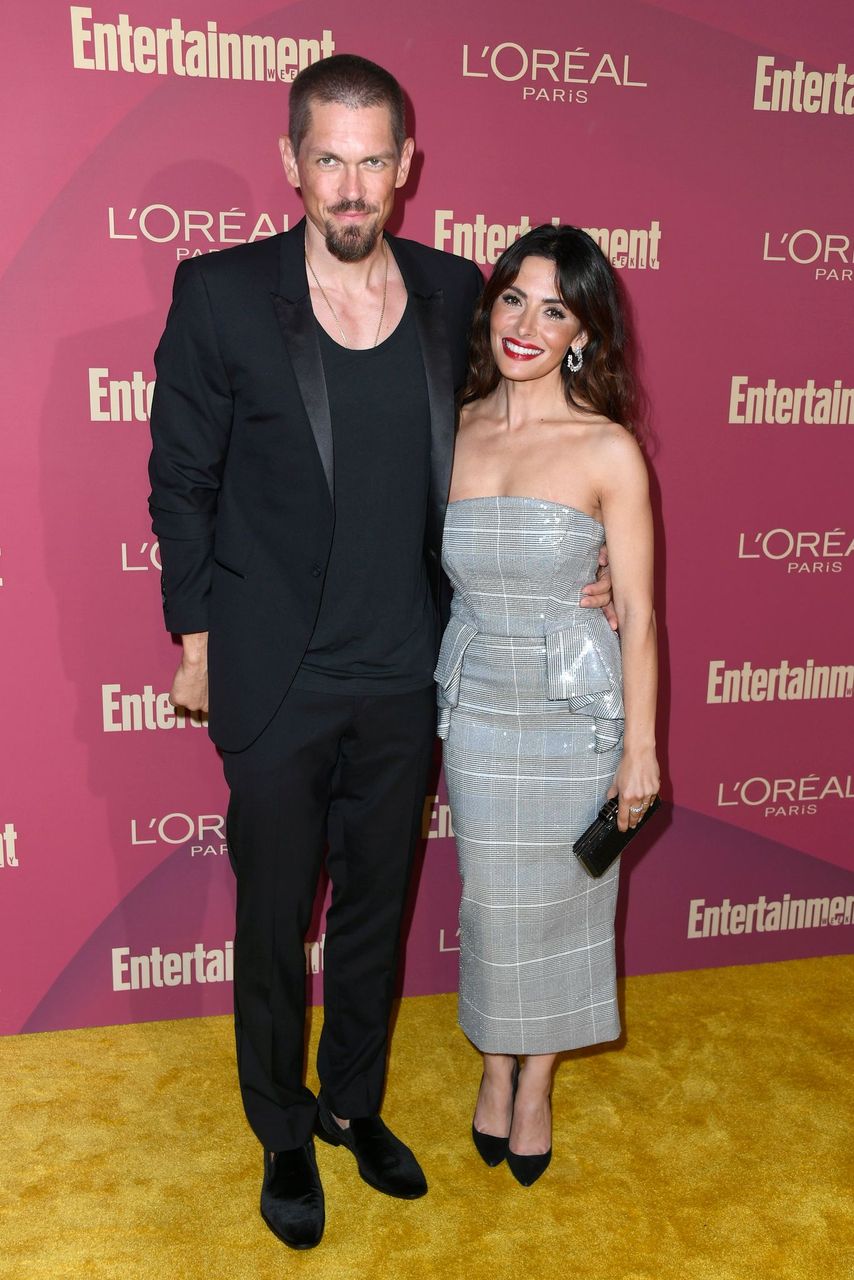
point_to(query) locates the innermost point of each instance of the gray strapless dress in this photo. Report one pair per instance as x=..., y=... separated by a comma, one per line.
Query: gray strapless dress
x=531, y=710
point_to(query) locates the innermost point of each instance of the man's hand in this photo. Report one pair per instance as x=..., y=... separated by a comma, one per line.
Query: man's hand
x=597, y=595
x=190, y=686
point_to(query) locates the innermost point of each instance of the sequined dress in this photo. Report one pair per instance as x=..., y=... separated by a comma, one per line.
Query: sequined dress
x=531, y=710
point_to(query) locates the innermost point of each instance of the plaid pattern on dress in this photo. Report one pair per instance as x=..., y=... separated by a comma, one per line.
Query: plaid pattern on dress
x=530, y=698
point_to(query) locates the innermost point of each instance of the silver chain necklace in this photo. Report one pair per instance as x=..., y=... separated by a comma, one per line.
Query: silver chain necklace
x=335, y=313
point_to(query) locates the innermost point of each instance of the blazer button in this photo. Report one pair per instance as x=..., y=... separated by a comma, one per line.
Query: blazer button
x=316, y=571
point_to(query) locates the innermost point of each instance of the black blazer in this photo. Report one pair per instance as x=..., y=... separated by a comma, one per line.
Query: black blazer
x=242, y=468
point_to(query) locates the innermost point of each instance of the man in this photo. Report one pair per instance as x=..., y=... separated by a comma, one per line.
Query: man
x=303, y=429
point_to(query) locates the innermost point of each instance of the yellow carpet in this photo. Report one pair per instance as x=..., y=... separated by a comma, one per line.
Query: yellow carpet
x=714, y=1144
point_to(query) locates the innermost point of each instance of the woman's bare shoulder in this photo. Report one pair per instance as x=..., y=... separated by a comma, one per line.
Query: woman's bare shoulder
x=620, y=466
x=614, y=439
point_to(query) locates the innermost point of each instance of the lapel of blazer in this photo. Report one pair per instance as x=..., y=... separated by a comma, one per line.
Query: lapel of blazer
x=296, y=320
x=428, y=307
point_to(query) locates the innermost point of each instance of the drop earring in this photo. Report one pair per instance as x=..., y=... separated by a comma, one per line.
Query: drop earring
x=574, y=359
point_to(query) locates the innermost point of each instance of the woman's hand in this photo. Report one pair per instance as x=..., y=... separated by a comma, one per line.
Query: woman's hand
x=636, y=782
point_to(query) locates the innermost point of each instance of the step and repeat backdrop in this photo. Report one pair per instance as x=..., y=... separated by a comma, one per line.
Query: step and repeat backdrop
x=707, y=148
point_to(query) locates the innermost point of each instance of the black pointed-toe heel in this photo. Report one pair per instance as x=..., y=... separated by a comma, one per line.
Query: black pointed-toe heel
x=526, y=1169
x=493, y=1150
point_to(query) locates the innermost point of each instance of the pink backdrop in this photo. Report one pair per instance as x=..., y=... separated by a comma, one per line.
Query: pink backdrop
x=709, y=144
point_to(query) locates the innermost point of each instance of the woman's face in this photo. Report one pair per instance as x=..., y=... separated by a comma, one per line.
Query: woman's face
x=531, y=329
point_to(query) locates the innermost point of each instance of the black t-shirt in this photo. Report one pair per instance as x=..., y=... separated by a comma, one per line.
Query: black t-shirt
x=375, y=630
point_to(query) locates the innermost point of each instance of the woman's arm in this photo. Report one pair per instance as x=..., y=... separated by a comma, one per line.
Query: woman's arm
x=627, y=516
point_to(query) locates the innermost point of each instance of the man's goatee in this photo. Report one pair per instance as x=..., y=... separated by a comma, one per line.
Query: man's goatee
x=351, y=244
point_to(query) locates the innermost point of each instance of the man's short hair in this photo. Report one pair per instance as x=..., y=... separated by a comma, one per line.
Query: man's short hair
x=352, y=81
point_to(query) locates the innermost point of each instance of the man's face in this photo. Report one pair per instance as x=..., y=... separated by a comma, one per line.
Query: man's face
x=347, y=170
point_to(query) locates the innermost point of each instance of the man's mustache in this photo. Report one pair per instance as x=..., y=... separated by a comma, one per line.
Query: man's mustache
x=352, y=206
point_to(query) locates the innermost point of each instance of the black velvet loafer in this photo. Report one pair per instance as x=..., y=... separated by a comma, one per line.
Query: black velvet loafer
x=292, y=1197
x=385, y=1163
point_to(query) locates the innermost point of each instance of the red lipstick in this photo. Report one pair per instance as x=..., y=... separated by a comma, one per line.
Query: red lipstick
x=516, y=350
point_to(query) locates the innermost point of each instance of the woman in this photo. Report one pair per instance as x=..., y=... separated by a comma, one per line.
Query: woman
x=532, y=690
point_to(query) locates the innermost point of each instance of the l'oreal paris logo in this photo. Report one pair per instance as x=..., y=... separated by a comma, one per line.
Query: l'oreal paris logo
x=803, y=550
x=203, y=834
x=552, y=75
x=201, y=230
x=785, y=797
x=829, y=253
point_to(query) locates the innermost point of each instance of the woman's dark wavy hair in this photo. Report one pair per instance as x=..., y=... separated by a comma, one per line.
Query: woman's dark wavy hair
x=586, y=282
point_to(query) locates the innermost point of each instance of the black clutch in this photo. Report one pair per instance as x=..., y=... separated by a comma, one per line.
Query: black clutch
x=603, y=841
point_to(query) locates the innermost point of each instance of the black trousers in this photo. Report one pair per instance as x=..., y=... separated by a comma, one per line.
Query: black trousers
x=352, y=771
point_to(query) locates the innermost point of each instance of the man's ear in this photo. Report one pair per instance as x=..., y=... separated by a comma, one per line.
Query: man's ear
x=404, y=162
x=289, y=160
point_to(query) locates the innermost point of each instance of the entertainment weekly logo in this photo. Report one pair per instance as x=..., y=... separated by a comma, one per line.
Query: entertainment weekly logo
x=140, y=712
x=158, y=968
x=202, y=835
x=314, y=954
x=207, y=54
x=568, y=76
x=8, y=846
x=729, y=919
x=787, y=682
x=770, y=404
x=634, y=248
x=785, y=797
x=119, y=399
x=192, y=231
x=808, y=92
x=435, y=819
x=802, y=551
x=828, y=254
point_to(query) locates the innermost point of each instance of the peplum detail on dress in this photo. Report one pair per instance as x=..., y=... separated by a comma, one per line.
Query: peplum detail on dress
x=449, y=666
x=580, y=652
